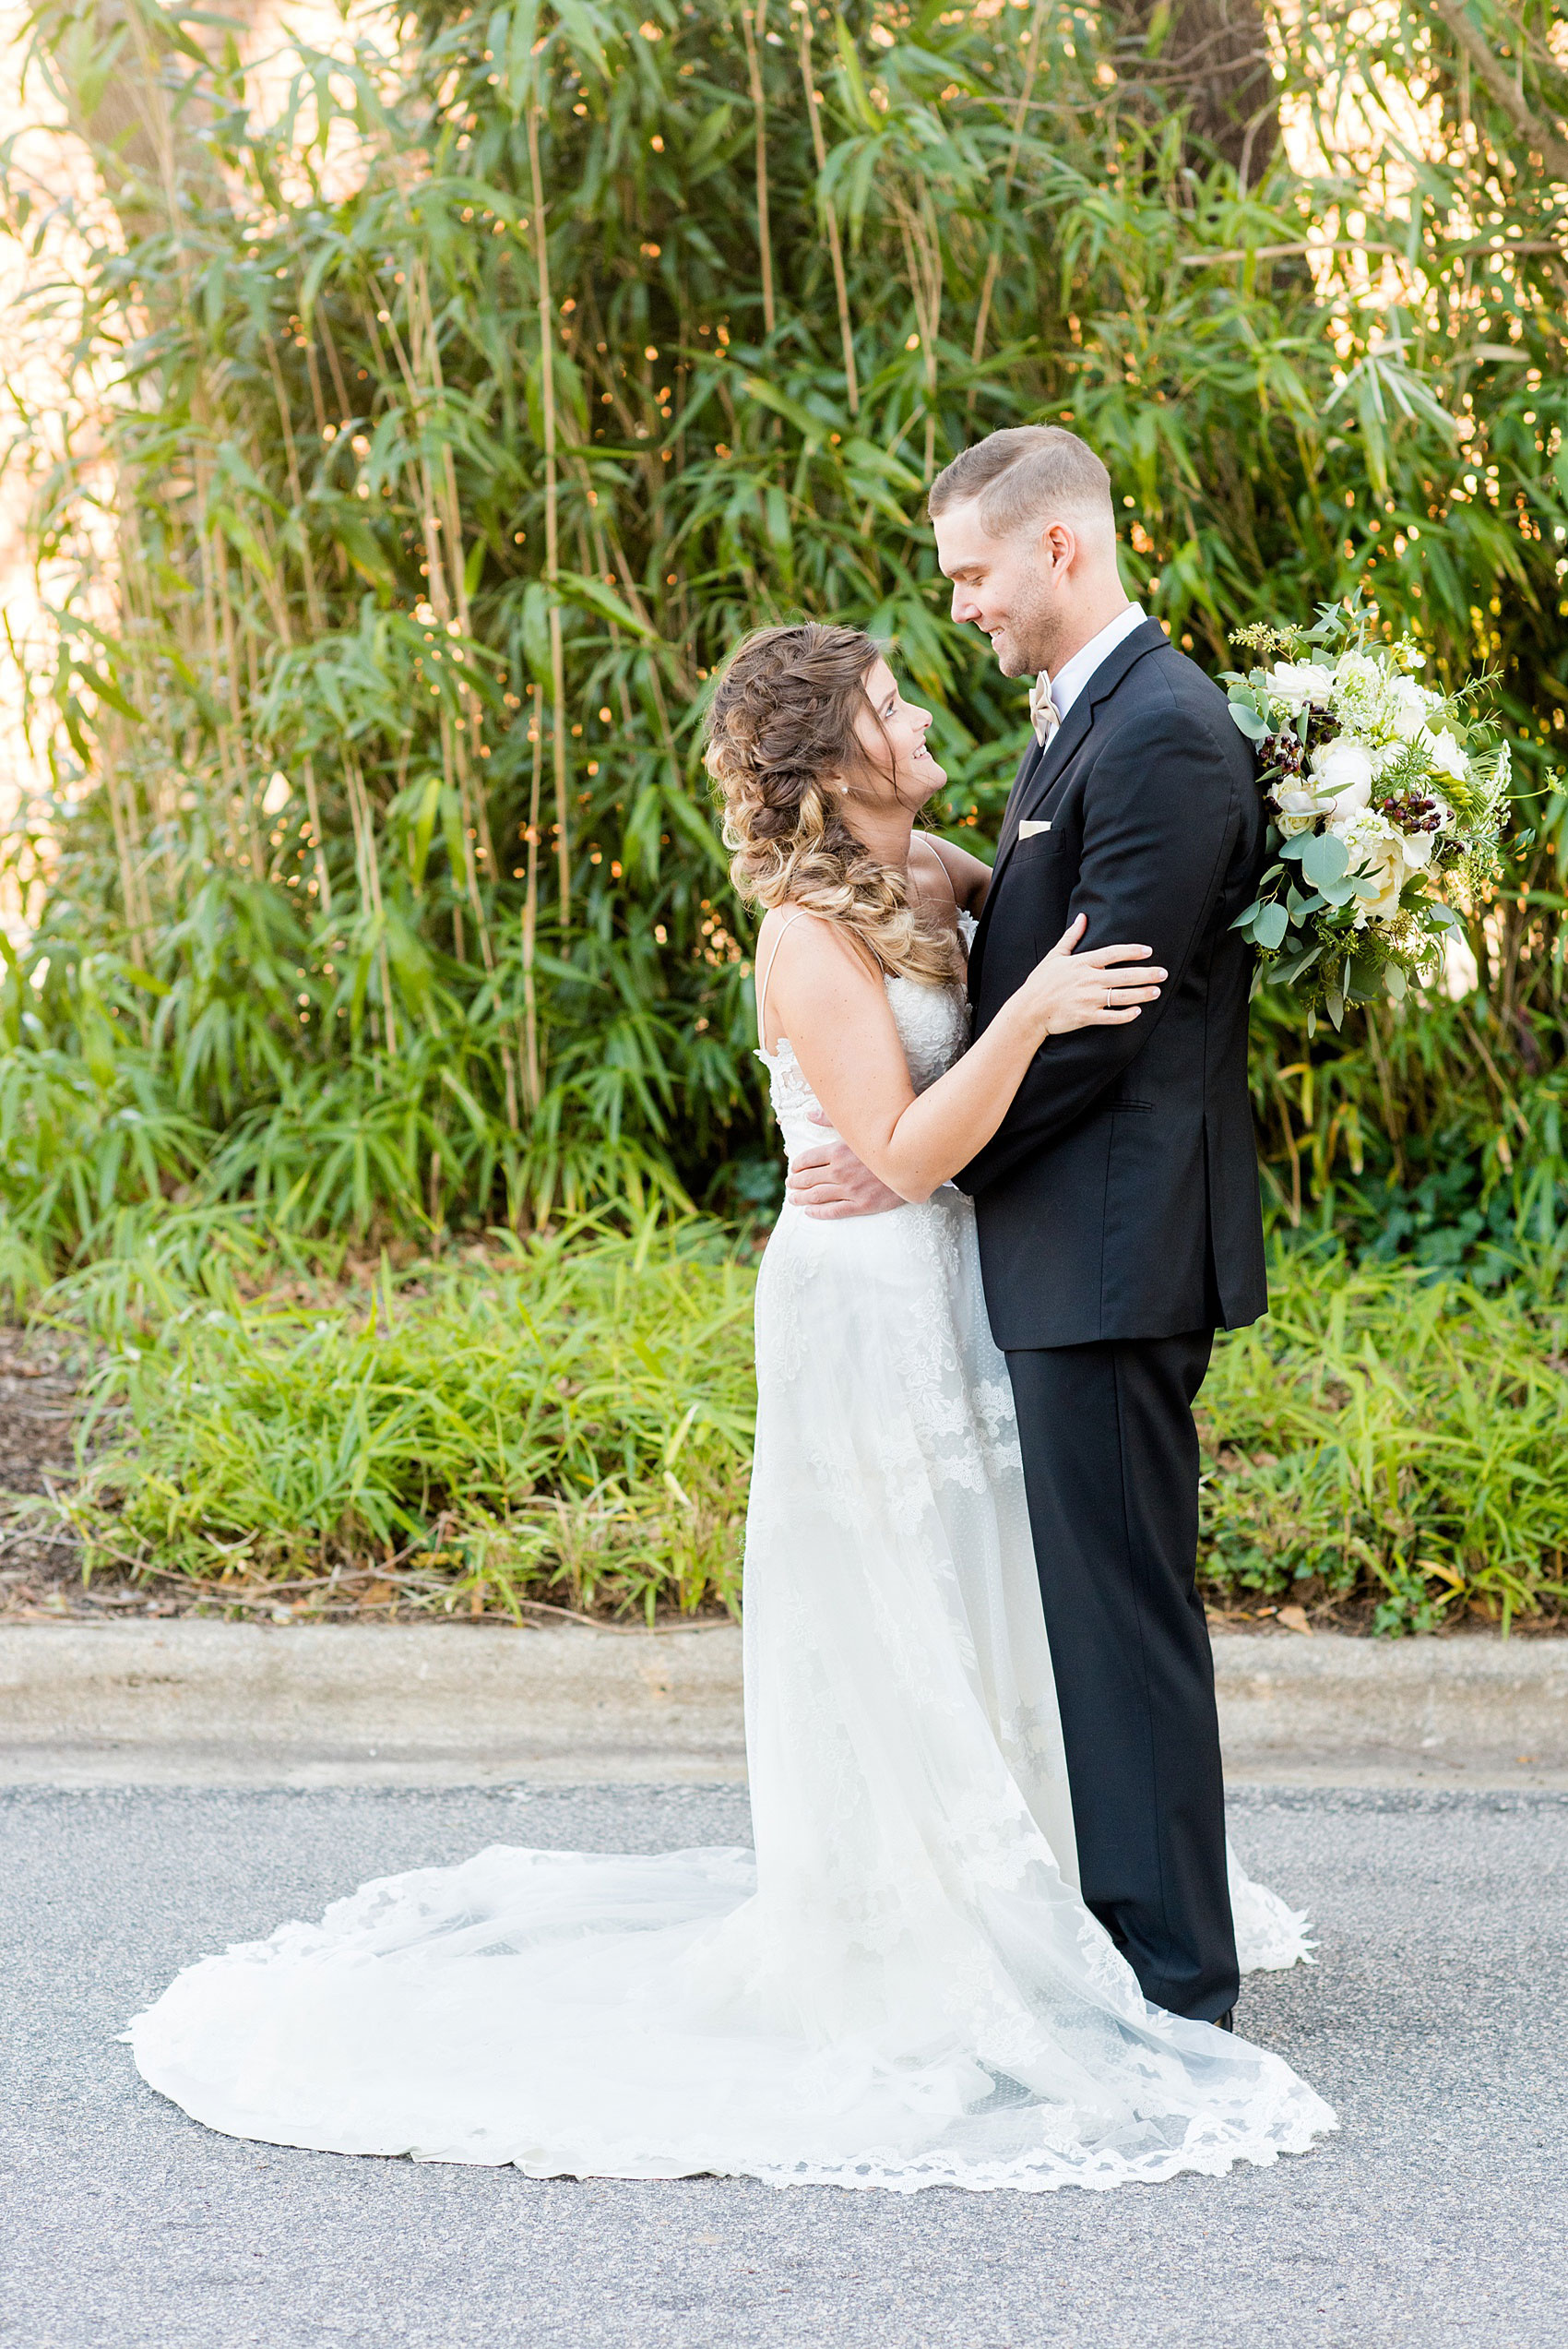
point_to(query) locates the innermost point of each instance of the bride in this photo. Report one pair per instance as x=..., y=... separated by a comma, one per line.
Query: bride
x=903, y=1989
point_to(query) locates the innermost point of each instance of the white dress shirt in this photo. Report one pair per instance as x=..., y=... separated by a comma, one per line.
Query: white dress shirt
x=1074, y=675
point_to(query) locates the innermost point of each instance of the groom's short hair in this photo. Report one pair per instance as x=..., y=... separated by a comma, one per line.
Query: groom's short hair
x=1028, y=473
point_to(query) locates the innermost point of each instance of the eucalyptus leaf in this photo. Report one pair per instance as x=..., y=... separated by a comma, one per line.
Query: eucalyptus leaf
x=1325, y=859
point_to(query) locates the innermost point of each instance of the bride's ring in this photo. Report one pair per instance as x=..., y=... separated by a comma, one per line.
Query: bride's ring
x=1110, y=993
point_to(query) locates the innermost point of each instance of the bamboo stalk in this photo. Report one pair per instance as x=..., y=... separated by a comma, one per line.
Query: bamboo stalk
x=313, y=804
x=923, y=258
x=316, y=612
x=209, y=608
x=829, y=216
x=136, y=602
x=446, y=594
x=364, y=818
x=307, y=566
x=123, y=826
x=1020, y=116
x=551, y=513
x=530, y=902
x=759, y=102
x=452, y=521
x=346, y=407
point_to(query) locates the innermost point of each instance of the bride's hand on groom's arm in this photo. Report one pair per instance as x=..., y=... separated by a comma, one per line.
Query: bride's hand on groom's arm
x=1067, y=990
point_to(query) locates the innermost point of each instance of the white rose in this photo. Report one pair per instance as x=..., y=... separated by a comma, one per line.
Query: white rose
x=1443, y=749
x=1344, y=772
x=1417, y=850
x=1301, y=683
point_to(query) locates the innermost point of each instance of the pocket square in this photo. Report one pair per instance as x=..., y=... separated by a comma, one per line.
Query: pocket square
x=1028, y=831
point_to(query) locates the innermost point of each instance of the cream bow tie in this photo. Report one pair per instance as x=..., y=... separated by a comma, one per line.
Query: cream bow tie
x=1044, y=716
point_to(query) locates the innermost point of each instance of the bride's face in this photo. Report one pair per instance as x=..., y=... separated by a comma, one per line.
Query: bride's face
x=892, y=728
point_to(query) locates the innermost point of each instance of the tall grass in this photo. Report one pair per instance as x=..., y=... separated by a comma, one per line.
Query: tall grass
x=432, y=450
x=567, y=1423
x=1393, y=1439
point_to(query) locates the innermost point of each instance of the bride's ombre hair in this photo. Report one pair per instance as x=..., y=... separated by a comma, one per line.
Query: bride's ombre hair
x=781, y=743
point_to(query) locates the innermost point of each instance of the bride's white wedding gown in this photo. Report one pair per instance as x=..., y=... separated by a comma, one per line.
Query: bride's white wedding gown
x=902, y=1988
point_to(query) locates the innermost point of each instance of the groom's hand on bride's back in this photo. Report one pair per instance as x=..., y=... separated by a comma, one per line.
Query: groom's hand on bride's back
x=830, y=1183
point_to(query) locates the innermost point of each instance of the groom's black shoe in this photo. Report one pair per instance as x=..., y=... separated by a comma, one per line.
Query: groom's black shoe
x=1227, y=2021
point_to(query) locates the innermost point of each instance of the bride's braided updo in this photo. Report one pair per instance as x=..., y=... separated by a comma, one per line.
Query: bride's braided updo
x=781, y=743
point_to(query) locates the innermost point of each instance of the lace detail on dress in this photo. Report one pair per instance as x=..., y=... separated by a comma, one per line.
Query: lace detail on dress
x=903, y=1988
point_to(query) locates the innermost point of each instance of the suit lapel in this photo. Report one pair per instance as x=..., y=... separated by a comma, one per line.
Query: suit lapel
x=1028, y=766
x=1041, y=769
x=1023, y=782
x=1035, y=782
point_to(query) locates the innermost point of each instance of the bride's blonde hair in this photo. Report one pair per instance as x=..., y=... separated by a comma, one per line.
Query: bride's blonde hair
x=781, y=728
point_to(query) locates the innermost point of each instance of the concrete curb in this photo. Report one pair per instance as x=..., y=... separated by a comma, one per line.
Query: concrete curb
x=204, y=1703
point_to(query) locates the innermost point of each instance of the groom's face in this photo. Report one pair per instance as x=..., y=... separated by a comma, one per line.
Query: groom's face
x=1011, y=589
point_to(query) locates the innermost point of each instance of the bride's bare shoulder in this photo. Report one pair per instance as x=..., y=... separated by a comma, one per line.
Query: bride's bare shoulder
x=799, y=935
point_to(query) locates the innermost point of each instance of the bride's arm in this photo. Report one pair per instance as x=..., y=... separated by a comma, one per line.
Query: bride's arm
x=834, y=1008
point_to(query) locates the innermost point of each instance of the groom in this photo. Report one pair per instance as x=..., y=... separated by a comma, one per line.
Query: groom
x=1118, y=1202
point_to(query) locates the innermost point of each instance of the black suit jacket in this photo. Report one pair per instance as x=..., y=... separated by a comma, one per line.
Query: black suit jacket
x=1119, y=1198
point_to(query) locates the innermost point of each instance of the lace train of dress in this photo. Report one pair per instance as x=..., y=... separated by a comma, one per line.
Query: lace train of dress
x=902, y=1989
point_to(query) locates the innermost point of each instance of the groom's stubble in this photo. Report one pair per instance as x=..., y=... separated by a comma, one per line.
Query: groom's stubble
x=1041, y=633
x=1039, y=592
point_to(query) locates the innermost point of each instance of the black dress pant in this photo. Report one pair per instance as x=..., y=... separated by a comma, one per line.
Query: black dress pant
x=1110, y=1464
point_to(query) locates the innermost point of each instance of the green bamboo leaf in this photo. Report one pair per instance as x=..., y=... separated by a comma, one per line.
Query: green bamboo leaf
x=813, y=430
x=578, y=588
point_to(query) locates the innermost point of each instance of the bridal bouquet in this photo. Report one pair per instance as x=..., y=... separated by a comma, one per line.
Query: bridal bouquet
x=1378, y=789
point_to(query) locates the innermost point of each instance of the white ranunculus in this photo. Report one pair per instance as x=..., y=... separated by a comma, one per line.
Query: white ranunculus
x=1343, y=769
x=1377, y=853
x=1445, y=754
x=1300, y=685
x=1408, y=706
x=1387, y=869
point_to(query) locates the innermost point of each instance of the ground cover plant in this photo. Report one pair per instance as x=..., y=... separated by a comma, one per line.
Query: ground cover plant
x=437, y=416
x=566, y=1424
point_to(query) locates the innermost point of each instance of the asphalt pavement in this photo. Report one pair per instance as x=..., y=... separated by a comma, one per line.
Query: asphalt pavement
x=1433, y=2020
